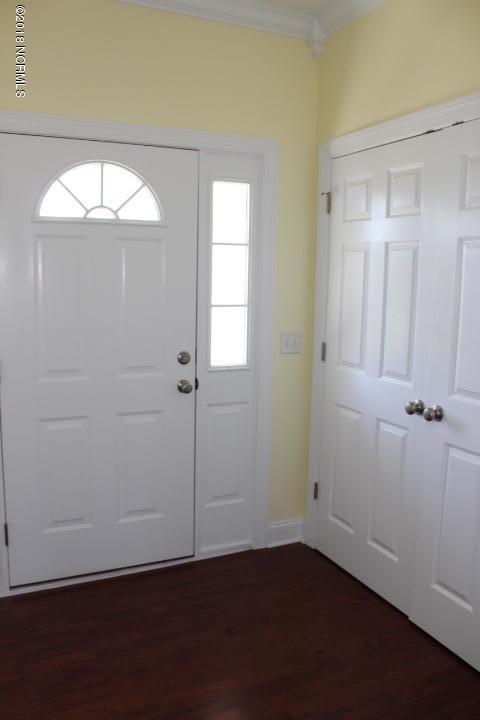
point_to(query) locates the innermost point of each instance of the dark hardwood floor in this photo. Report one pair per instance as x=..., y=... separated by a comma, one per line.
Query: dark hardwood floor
x=276, y=634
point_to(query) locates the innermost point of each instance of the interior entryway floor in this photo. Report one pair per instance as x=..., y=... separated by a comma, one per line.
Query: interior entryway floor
x=279, y=634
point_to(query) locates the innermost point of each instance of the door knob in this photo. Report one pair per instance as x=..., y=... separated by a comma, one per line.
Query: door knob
x=433, y=413
x=415, y=407
x=184, y=387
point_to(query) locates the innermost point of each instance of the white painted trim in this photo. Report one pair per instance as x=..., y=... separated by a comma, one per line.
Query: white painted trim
x=217, y=551
x=286, y=532
x=266, y=304
x=268, y=152
x=255, y=16
x=231, y=12
x=313, y=28
x=320, y=334
x=441, y=116
x=220, y=550
x=434, y=118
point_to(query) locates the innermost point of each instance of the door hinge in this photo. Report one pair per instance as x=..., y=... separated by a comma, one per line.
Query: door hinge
x=5, y=529
x=328, y=195
x=315, y=491
x=323, y=354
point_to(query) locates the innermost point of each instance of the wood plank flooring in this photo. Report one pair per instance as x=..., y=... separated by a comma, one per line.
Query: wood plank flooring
x=279, y=634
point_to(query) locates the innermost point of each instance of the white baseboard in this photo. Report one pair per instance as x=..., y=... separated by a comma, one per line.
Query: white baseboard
x=220, y=550
x=286, y=532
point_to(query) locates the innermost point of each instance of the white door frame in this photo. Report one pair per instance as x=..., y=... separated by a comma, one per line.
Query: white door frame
x=436, y=118
x=267, y=153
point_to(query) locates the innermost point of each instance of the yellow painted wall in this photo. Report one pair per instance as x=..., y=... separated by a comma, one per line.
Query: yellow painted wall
x=104, y=60
x=404, y=56
x=101, y=59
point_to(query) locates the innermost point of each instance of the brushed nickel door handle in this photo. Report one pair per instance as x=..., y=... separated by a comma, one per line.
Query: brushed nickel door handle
x=415, y=407
x=433, y=413
x=185, y=387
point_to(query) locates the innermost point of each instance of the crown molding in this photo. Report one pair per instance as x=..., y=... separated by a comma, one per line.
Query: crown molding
x=253, y=15
x=313, y=29
x=248, y=14
x=316, y=39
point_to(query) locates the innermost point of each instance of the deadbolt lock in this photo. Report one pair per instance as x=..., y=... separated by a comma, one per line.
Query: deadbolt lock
x=184, y=357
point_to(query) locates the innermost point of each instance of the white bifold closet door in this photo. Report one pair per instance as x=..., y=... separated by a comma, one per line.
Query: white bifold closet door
x=399, y=503
x=98, y=246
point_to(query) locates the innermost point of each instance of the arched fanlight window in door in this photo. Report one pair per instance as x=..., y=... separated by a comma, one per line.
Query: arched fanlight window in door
x=100, y=191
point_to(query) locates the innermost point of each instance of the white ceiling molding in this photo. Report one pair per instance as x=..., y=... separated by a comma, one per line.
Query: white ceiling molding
x=313, y=28
x=317, y=38
x=248, y=14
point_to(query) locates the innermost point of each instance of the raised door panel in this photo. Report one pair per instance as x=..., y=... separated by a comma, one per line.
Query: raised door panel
x=400, y=310
x=404, y=192
x=470, y=191
x=141, y=477
x=358, y=199
x=65, y=474
x=62, y=292
x=353, y=310
x=228, y=474
x=458, y=539
x=347, y=467
x=467, y=360
x=142, y=306
x=391, y=448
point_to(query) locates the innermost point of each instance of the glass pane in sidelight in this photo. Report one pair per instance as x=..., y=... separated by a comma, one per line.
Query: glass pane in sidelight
x=228, y=336
x=231, y=212
x=229, y=275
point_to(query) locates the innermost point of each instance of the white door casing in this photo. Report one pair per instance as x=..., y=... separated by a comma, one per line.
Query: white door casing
x=98, y=443
x=379, y=327
x=446, y=587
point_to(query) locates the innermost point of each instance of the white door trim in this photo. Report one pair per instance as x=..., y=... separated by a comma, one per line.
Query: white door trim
x=267, y=152
x=438, y=117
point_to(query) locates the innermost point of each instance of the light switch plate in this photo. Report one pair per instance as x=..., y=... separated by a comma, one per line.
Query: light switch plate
x=290, y=342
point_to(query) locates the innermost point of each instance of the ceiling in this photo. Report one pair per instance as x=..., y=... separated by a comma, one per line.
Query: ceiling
x=310, y=20
x=331, y=13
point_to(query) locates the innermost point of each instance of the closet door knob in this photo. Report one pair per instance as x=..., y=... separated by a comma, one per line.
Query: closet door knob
x=415, y=407
x=433, y=413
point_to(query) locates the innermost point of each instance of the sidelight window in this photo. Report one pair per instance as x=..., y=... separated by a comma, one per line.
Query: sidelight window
x=230, y=239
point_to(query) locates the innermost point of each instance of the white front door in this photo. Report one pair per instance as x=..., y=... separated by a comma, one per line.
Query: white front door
x=446, y=588
x=98, y=296
x=380, y=313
